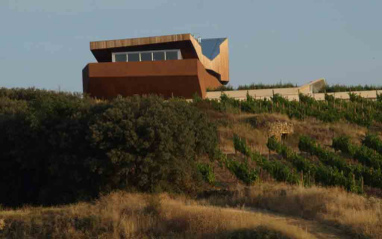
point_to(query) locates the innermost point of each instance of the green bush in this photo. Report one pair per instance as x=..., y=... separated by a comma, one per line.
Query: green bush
x=60, y=148
x=343, y=143
x=242, y=171
x=207, y=172
x=373, y=141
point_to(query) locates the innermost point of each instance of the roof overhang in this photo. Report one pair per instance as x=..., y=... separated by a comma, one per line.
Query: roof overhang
x=219, y=64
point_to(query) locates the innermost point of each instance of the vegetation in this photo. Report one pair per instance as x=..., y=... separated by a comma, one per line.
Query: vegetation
x=277, y=169
x=126, y=215
x=60, y=148
x=359, y=215
x=374, y=142
x=259, y=86
x=371, y=177
x=344, y=88
x=223, y=88
x=131, y=215
x=207, y=172
x=318, y=173
x=241, y=170
x=360, y=111
x=363, y=154
x=326, y=89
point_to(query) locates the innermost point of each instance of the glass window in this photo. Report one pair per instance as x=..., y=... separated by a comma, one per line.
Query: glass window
x=133, y=57
x=146, y=56
x=158, y=56
x=171, y=55
x=120, y=57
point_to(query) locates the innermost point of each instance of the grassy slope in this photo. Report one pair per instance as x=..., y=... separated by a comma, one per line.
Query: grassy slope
x=361, y=215
x=122, y=215
x=332, y=206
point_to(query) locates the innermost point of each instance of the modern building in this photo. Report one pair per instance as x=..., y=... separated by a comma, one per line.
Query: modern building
x=171, y=66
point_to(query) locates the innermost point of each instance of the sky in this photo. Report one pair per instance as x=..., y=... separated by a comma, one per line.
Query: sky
x=45, y=43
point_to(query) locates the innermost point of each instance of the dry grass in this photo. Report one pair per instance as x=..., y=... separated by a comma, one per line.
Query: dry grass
x=257, y=135
x=123, y=215
x=324, y=132
x=126, y=215
x=360, y=215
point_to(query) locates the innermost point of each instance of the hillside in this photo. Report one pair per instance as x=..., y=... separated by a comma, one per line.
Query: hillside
x=142, y=167
x=128, y=215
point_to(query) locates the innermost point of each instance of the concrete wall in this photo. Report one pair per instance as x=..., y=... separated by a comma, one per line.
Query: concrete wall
x=288, y=93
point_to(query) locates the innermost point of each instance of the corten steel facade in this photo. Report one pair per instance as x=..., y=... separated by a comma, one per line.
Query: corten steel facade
x=170, y=66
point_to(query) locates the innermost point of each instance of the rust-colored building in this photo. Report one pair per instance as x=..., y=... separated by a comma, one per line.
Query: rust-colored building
x=175, y=65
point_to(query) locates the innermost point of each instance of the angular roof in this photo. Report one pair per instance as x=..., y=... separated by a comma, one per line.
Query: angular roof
x=211, y=47
x=213, y=53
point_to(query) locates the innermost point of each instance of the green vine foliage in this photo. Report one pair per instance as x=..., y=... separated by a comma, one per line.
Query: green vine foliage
x=343, y=143
x=372, y=177
x=315, y=173
x=374, y=142
x=362, y=154
x=241, y=170
x=276, y=168
x=359, y=111
x=207, y=172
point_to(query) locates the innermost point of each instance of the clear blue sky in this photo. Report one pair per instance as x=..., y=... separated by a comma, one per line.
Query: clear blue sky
x=45, y=43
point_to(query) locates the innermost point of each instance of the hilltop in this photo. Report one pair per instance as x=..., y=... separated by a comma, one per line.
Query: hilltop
x=144, y=167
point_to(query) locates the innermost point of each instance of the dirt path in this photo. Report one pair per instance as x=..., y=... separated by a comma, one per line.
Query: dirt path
x=319, y=230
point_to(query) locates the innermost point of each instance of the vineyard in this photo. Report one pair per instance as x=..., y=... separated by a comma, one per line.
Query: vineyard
x=372, y=141
x=363, y=154
x=328, y=169
x=371, y=177
x=360, y=111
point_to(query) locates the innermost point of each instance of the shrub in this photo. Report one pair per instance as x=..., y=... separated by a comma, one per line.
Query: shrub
x=373, y=141
x=207, y=172
x=60, y=148
x=242, y=171
x=343, y=143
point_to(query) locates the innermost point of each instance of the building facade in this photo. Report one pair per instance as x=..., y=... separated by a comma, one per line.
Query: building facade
x=170, y=66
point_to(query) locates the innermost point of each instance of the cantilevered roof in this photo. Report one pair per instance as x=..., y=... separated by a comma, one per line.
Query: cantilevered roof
x=213, y=53
x=211, y=47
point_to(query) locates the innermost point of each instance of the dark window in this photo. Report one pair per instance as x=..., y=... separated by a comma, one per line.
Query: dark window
x=158, y=56
x=133, y=57
x=171, y=55
x=120, y=57
x=146, y=56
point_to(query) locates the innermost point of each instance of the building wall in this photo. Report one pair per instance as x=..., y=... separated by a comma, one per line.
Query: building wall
x=178, y=78
x=188, y=45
